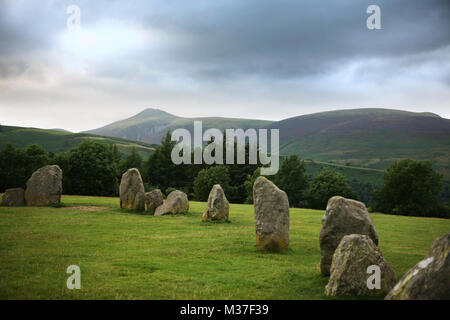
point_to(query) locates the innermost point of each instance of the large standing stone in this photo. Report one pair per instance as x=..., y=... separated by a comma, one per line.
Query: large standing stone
x=349, y=269
x=14, y=197
x=154, y=199
x=271, y=207
x=176, y=202
x=218, y=206
x=430, y=278
x=132, y=193
x=44, y=187
x=342, y=217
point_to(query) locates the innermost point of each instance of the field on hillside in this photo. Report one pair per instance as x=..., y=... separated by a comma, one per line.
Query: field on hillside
x=362, y=175
x=370, y=138
x=127, y=255
x=61, y=141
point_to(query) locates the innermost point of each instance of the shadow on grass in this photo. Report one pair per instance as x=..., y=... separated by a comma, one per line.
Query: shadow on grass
x=147, y=213
x=214, y=222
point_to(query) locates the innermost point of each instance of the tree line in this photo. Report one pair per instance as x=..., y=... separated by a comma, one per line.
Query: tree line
x=410, y=187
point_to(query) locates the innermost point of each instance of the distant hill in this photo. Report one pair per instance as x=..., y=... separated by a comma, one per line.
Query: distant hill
x=59, y=140
x=372, y=138
x=151, y=125
x=359, y=143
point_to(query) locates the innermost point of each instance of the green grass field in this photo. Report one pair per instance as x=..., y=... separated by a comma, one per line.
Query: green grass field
x=126, y=255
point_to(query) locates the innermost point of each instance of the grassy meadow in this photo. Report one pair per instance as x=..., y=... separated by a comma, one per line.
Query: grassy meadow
x=128, y=255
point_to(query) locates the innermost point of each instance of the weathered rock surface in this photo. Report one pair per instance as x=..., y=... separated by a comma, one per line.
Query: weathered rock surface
x=271, y=207
x=132, y=193
x=176, y=202
x=14, y=197
x=430, y=278
x=349, y=275
x=44, y=187
x=342, y=217
x=218, y=206
x=153, y=200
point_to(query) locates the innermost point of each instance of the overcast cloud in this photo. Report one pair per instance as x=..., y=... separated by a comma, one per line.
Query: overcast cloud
x=260, y=59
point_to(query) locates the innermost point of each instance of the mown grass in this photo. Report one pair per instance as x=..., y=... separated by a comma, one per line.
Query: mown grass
x=126, y=255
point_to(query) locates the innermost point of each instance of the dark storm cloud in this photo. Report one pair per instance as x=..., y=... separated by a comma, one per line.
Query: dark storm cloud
x=229, y=38
x=27, y=26
x=270, y=59
x=297, y=38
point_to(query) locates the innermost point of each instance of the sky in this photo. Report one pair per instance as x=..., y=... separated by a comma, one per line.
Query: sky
x=259, y=59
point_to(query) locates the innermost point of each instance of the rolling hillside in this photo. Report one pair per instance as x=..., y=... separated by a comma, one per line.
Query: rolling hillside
x=372, y=138
x=151, y=125
x=59, y=141
x=358, y=143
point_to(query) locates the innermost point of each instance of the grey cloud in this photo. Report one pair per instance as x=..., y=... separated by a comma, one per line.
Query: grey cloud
x=229, y=57
x=297, y=38
x=215, y=39
x=29, y=25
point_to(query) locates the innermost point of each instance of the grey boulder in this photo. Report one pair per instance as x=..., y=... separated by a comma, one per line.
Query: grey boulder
x=153, y=200
x=342, y=217
x=176, y=202
x=14, y=197
x=430, y=278
x=271, y=207
x=218, y=206
x=44, y=186
x=132, y=193
x=349, y=270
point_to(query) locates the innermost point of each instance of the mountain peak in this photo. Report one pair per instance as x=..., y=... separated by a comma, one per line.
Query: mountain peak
x=151, y=112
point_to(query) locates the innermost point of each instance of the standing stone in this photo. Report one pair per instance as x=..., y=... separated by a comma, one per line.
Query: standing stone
x=342, y=217
x=271, y=207
x=154, y=199
x=176, y=202
x=44, y=187
x=218, y=206
x=349, y=269
x=430, y=278
x=14, y=197
x=132, y=193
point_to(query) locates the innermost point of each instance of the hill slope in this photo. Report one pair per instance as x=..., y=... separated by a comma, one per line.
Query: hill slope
x=151, y=125
x=371, y=138
x=59, y=141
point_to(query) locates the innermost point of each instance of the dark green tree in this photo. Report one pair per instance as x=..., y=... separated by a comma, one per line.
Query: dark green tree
x=410, y=188
x=117, y=156
x=35, y=158
x=17, y=165
x=363, y=190
x=89, y=169
x=238, y=176
x=62, y=160
x=208, y=177
x=12, y=168
x=326, y=184
x=134, y=160
x=248, y=185
x=292, y=179
x=238, y=172
x=159, y=170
